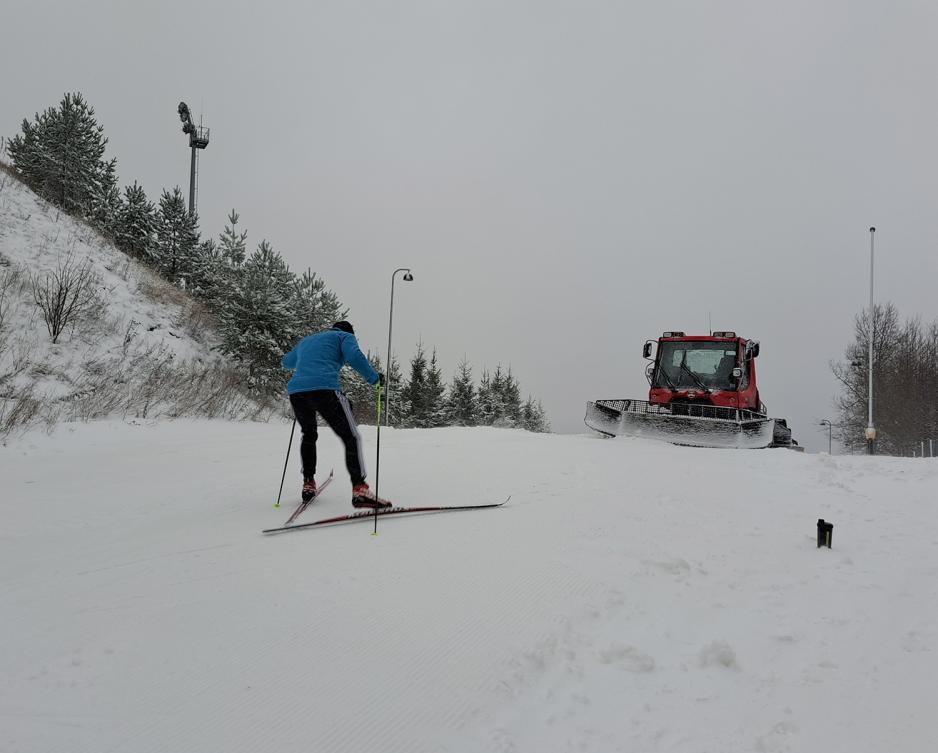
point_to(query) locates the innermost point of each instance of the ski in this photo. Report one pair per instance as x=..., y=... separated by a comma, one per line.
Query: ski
x=370, y=514
x=303, y=505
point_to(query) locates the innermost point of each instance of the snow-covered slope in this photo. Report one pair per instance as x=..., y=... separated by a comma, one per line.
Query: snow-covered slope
x=141, y=336
x=632, y=596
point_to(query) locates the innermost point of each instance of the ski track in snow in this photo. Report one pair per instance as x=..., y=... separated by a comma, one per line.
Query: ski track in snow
x=632, y=596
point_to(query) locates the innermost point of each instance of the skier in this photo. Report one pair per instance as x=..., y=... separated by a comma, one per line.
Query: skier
x=314, y=388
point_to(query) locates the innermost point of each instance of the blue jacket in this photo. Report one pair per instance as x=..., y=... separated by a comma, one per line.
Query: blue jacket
x=319, y=358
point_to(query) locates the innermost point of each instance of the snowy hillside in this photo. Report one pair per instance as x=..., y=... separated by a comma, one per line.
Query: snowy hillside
x=142, y=348
x=632, y=596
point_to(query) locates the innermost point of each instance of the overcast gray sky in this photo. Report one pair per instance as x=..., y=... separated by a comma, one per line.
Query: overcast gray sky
x=566, y=179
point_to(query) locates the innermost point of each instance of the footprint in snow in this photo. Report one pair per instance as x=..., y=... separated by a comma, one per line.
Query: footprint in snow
x=718, y=654
x=628, y=658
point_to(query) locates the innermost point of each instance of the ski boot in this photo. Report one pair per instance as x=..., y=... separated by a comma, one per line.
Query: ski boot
x=309, y=489
x=362, y=496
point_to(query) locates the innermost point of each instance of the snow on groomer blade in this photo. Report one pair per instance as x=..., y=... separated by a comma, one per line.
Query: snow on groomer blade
x=703, y=393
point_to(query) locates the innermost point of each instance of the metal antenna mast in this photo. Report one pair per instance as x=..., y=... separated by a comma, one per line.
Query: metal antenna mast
x=198, y=139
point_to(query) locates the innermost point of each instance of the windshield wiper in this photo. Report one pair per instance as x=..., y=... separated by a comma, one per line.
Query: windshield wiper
x=663, y=373
x=692, y=375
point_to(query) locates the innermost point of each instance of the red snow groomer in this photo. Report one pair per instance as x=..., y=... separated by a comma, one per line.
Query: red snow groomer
x=703, y=393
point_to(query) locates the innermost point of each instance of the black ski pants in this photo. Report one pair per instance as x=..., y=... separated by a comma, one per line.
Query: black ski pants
x=336, y=411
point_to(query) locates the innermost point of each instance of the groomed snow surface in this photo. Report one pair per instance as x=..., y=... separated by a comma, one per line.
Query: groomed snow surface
x=632, y=596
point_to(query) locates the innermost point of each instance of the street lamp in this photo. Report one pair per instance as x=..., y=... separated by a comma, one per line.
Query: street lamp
x=870, y=430
x=830, y=432
x=408, y=277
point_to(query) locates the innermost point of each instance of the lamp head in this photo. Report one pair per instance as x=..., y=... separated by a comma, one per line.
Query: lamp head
x=408, y=277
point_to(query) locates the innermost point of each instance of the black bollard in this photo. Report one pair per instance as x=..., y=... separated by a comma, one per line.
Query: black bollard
x=825, y=532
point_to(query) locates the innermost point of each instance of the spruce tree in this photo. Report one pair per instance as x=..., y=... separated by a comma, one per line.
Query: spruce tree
x=497, y=398
x=533, y=417
x=361, y=395
x=415, y=391
x=136, y=223
x=511, y=394
x=461, y=399
x=396, y=401
x=541, y=423
x=485, y=412
x=435, y=391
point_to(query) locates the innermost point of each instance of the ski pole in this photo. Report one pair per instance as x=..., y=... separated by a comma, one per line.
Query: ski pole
x=287, y=460
x=377, y=459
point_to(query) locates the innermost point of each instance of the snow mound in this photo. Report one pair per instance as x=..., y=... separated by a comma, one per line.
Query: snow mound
x=142, y=349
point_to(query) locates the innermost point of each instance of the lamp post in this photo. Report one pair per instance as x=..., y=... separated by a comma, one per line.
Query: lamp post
x=198, y=139
x=408, y=277
x=870, y=429
x=830, y=431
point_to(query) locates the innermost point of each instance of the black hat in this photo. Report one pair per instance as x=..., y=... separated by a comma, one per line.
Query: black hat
x=344, y=326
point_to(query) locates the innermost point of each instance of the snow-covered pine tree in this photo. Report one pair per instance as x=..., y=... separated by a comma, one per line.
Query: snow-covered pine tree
x=540, y=422
x=209, y=278
x=59, y=155
x=316, y=307
x=527, y=414
x=362, y=395
x=136, y=223
x=461, y=398
x=485, y=405
x=435, y=393
x=499, y=417
x=25, y=153
x=415, y=391
x=396, y=403
x=233, y=244
x=533, y=417
x=106, y=204
x=177, y=238
x=511, y=395
x=228, y=263
x=257, y=321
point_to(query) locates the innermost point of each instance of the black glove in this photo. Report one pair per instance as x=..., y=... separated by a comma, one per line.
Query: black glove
x=381, y=379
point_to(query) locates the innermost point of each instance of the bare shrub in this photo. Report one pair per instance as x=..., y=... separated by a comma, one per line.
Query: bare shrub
x=123, y=268
x=129, y=334
x=7, y=171
x=18, y=410
x=18, y=361
x=66, y=294
x=153, y=383
x=9, y=281
x=160, y=291
x=196, y=320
